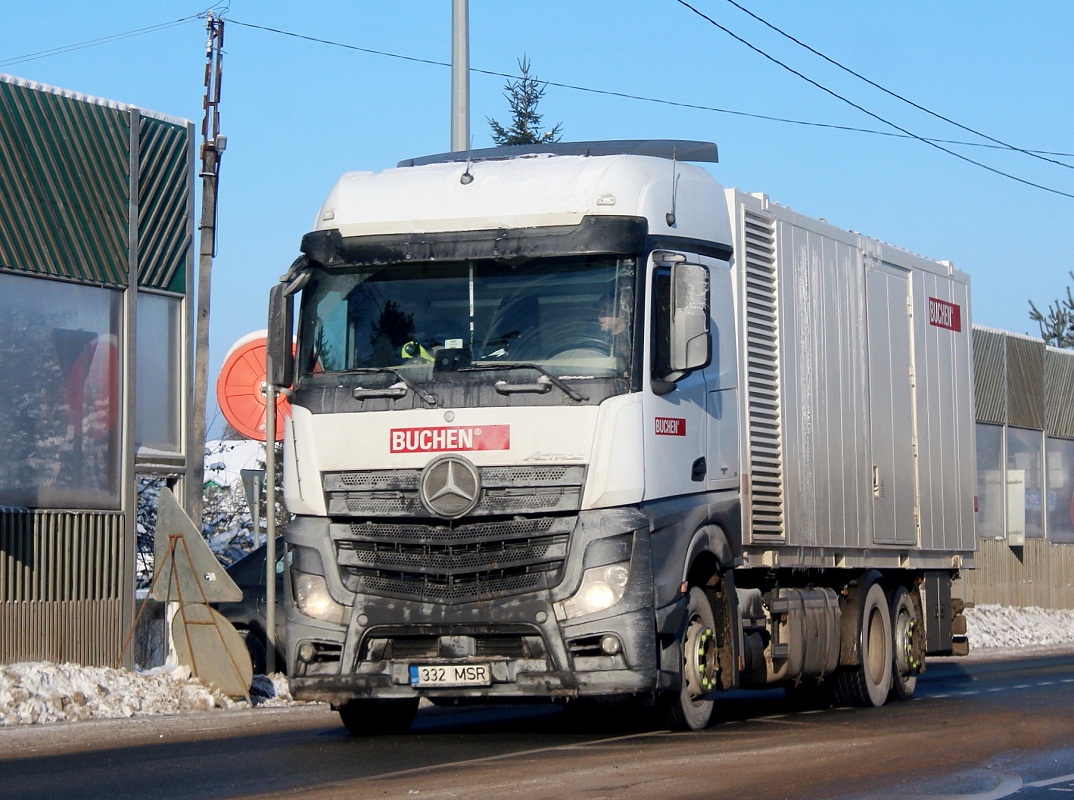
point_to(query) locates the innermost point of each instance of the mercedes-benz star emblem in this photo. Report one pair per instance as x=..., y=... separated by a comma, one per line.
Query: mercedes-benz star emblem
x=450, y=487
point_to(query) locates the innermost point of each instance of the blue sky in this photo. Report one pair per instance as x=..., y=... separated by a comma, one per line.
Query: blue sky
x=298, y=113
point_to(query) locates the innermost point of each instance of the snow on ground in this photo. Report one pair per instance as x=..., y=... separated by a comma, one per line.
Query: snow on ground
x=34, y=693
x=993, y=626
x=40, y=692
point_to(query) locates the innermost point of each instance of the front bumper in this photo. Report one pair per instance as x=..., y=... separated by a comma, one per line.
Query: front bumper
x=530, y=654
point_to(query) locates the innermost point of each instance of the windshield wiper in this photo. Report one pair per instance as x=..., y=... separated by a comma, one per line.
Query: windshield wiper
x=392, y=391
x=570, y=391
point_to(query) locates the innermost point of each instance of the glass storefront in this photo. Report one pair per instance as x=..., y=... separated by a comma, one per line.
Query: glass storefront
x=60, y=361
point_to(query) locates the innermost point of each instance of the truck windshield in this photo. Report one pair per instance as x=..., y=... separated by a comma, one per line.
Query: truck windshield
x=569, y=315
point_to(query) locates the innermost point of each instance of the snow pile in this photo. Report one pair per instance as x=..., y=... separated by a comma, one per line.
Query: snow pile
x=993, y=626
x=40, y=692
x=43, y=692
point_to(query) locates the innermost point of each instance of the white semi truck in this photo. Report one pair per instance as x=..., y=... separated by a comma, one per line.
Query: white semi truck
x=574, y=422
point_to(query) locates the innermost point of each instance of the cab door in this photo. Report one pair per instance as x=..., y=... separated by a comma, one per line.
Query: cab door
x=678, y=348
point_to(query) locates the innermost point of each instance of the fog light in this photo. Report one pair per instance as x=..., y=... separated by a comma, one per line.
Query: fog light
x=610, y=645
x=306, y=652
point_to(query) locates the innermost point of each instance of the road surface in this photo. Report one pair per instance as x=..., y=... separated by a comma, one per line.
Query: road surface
x=977, y=729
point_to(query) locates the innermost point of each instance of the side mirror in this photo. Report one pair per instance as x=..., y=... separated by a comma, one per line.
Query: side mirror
x=691, y=345
x=279, y=356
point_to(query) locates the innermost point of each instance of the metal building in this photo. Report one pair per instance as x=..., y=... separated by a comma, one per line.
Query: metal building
x=96, y=273
x=1025, y=472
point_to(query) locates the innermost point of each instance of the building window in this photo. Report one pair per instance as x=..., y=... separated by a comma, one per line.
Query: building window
x=1024, y=457
x=158, y=357
x=59, y=358
x=1060, y=498
x=990, y=482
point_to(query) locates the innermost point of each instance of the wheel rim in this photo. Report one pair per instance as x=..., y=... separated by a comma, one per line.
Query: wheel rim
x=904, y=628
x=876, y=654
x=904, y=649
x=700, y=657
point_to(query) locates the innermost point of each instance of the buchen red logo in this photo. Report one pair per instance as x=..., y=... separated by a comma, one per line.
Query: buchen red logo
x=449, y=439
x=945, y=315
x=670, y=426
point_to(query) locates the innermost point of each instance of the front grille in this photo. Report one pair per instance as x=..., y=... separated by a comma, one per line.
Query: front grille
x=505, y=490
x=434, y=563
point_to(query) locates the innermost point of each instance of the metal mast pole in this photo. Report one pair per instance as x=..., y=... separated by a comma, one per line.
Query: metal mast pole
x=212, y=145
x=270, y=537
x=460, y=75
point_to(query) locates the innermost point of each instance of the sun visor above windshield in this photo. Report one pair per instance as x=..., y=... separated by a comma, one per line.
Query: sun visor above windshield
x=609, y=235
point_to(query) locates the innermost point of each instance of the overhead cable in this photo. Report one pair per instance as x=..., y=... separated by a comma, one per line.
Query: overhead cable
x=94, y=42
x=897, y=96
x=867, y=112
x=629, y=96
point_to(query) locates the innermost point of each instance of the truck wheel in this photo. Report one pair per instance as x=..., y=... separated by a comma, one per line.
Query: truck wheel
x=869, y=682
x=905, y=622
x=255, y=646
x=691, y=707
x=367, y=717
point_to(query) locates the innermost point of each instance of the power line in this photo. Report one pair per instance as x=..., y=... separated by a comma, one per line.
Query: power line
x=901, y=132
x=629, y=96
x=875, y=85
x=864, y=110
x=94, y=42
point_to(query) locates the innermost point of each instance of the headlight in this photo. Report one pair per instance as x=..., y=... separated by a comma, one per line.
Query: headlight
x=313, y=599
x=602, y=587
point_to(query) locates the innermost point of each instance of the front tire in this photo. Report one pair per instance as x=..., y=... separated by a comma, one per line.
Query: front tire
x=367, y=717
x=255, y=646
x=691, y=707
x=868, y=683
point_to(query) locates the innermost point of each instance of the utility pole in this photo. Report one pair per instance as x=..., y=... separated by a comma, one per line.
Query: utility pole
x=212, y=146
x=460, y=75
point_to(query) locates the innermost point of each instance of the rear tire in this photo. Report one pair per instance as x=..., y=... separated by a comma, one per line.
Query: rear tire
x=367, y=717
x=868, y=683
x=905, y=635
x=690, y=708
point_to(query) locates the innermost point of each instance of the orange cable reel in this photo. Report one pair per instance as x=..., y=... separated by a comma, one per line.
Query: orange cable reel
x=241, y=389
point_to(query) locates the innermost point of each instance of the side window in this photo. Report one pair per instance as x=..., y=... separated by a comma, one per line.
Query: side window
x=681, y=341
x=724, y=358
x=661, y=327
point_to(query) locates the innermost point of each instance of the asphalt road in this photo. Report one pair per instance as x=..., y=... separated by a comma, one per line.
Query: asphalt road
x=976, y=728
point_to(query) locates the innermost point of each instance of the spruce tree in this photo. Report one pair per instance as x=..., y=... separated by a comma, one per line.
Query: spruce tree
x=523, y=95
x=1057, y=326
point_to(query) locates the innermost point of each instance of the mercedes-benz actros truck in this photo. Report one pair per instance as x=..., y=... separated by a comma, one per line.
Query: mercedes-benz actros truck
x=573, y=422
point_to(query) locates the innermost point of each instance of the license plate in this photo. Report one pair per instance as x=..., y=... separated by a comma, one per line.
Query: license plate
x=450, y=675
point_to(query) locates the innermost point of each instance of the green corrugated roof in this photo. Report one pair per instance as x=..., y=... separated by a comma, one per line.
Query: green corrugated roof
x=164, y=230
x=65, y=188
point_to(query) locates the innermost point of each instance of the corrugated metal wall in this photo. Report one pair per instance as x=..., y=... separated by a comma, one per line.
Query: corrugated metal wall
x=1039, y=574
x=64, y=164
x=65, y=207
x=61, y=586
x=164, y=233
x=1025, y=383
x=1059, y=393
x=990, y=375
x=1021, y=383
